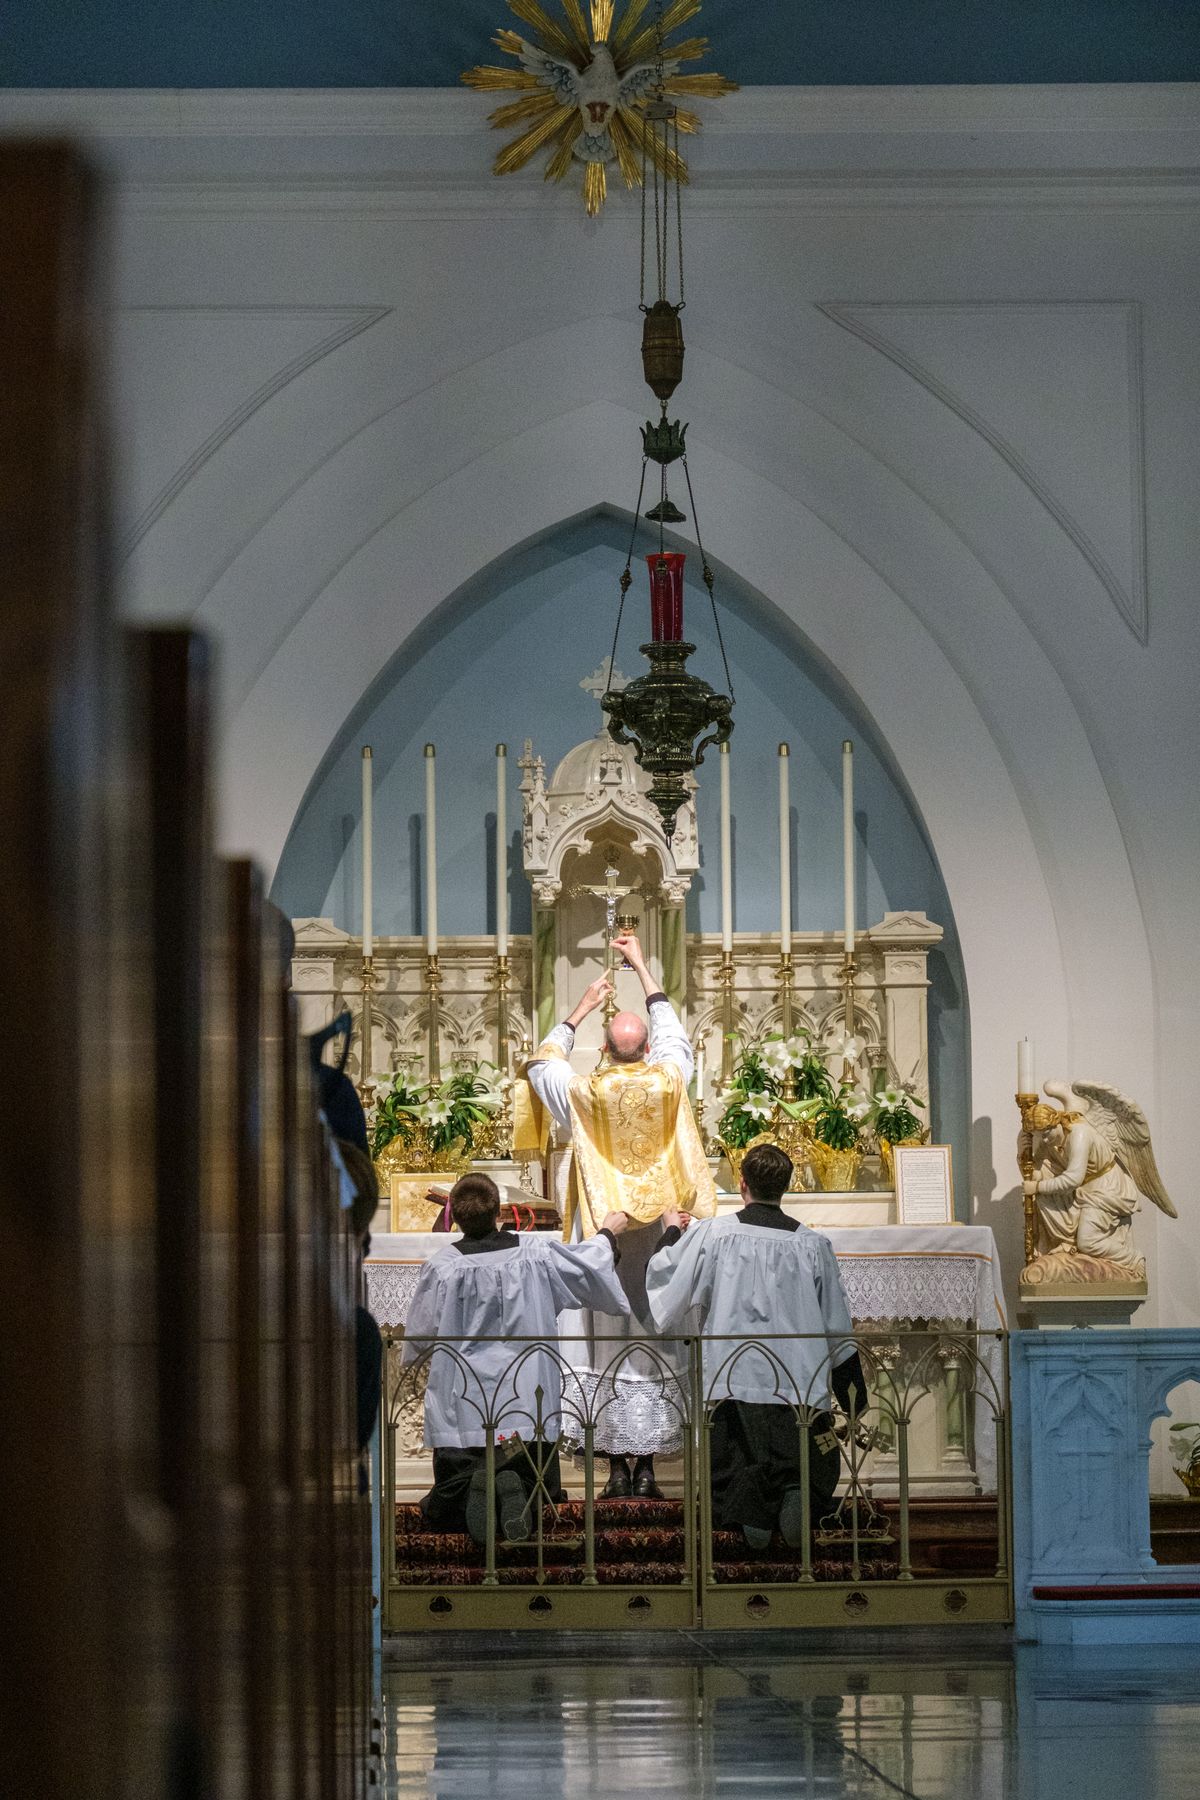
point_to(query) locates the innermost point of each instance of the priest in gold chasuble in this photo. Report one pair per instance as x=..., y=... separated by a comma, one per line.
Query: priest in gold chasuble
x=636, y=1150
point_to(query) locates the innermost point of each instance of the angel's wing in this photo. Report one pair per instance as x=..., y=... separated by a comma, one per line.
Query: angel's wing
x=637, y=82
x=1123, y=1123
x=563, y=77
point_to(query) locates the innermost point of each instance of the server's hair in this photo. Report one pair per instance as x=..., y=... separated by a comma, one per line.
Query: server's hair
x=475, y=1205
x=766, y=1170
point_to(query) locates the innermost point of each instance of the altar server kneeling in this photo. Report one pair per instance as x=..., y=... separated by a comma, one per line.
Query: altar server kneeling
x=752, y=1275
x=497, y=1285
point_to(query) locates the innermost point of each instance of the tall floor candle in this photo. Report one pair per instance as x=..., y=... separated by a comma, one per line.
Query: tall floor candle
x=431, y=930
x=848, y=844
x=1025, y=1076
x=726, y=855
x=368, y=937
x=501, y=849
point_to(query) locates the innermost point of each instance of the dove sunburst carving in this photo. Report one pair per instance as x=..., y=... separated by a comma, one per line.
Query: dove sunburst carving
x=584, y=83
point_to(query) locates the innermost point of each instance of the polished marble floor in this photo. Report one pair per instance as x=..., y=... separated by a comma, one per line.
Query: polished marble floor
x=787, y=1717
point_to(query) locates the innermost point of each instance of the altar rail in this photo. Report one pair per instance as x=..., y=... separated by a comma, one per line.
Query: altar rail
x=877, y=1555
x=184, y=1556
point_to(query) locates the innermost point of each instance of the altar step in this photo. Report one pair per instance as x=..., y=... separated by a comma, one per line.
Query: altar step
x=642, y=1542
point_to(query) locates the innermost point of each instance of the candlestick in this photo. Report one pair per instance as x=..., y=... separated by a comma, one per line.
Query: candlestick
x=433, y=982
x=502, y=1012
x=431, y=930
x=785, y=853
x=726, y=855
x=846, y=976
x=502, y=850
x=366, y=1080
x=1026, y=1101
x=368, y=941
x=1026, y=1082
x=726, y=979
x=785, y=993
x=700, y=1068
x=848, y=844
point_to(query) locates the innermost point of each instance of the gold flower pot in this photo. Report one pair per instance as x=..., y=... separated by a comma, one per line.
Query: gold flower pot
x=1191, y=1480
x=885, y=1156
x=414, y=1154
x=735, y=1154
x=835, y=1170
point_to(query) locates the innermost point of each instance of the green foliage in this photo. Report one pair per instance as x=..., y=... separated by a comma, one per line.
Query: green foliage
x=892, y=1116
x=833, y=1125
x=449, y=1111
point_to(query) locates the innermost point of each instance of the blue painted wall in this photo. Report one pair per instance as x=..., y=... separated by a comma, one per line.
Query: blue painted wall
x=366, y=43
x=503, y=660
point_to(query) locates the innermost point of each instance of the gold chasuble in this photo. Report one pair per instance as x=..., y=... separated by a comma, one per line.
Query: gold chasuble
x=635, y=1142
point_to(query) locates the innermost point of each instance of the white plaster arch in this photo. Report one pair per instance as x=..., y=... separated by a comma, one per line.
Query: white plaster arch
x=1011, y=855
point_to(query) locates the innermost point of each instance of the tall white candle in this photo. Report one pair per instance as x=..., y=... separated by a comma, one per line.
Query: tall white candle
x=848, y=844
x=700, y=1069
x=501, y=849
x=1025, y=1077
x=726, y=855
x=785, y=853
x=431, y=930
x=368, y=937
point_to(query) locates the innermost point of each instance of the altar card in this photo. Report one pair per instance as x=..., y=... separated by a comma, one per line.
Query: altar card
x=924, y=1184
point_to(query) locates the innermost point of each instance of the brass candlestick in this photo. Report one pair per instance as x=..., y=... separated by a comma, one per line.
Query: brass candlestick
x=366, y=1032
x=501, y=979
x=725, y=977
x=433, y=983
x=1026, y=1104
x=785, y=992
x=846, y=975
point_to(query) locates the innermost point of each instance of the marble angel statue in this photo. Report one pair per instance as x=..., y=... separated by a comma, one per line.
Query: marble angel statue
x=1088, y=1171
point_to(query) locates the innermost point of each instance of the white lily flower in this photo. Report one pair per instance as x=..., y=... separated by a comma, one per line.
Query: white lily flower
x=436, y=1111
x=890, y=1098
x=858, y=1103
x=776, y=1058
x=796, y=1049
x=384, y=1082
x=759, y=1105
x=846, y=1048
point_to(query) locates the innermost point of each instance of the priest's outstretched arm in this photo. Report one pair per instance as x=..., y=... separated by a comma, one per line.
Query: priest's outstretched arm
x=550, y=1078
x=668, y=1040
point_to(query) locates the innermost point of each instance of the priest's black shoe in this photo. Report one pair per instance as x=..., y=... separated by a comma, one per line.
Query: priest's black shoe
x=618, y=1486
x=644, y=1485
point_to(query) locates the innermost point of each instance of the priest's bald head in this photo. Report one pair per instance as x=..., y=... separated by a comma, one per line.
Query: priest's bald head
x=625, y=1037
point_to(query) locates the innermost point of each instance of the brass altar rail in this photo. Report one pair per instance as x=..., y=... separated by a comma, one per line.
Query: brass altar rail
x=855, y=1565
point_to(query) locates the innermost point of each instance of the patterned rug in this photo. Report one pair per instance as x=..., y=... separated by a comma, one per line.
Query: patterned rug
x=638, y=1542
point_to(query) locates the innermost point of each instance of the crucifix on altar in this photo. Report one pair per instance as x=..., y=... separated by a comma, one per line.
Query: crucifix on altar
x=614, y=921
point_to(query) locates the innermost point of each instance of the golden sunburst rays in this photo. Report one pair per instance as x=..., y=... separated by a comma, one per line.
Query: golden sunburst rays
x=548, y=123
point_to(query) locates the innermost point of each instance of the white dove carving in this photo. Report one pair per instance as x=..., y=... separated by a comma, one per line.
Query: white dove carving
x=597, y=90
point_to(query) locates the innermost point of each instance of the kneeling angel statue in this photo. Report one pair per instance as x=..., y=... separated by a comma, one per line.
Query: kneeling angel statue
x=1088, y=1169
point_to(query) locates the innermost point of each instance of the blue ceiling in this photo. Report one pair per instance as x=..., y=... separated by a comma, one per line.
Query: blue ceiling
x=366, y=43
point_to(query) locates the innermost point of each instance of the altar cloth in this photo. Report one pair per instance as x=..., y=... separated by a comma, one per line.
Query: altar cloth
x=893, y=1274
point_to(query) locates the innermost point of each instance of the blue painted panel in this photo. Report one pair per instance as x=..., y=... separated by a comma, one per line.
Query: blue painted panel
x=1082, y=1406
x=365, y=43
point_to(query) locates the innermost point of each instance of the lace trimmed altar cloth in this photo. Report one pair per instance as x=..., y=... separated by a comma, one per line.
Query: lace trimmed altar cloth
x=893, y=1274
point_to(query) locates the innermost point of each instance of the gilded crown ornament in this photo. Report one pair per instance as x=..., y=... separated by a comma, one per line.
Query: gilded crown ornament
x=585, y=82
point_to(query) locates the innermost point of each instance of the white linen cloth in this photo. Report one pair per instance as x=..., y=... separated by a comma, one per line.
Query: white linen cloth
x=638, y=1407
x=752, y=1282
x=891, y=1273
x=512, y=1293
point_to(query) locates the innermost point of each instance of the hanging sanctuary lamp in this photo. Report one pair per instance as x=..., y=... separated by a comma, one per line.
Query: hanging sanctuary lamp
x=669, y=716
